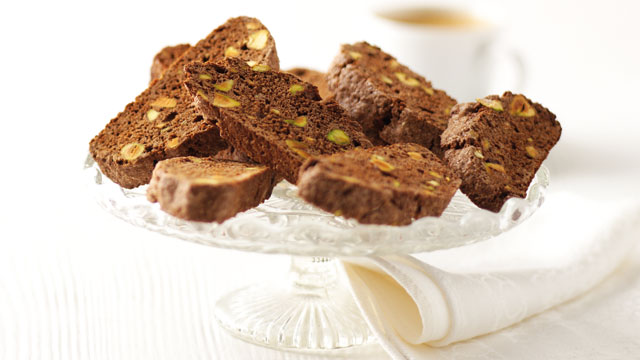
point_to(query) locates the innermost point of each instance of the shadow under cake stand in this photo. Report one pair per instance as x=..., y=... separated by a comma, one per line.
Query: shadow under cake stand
x=311, y=309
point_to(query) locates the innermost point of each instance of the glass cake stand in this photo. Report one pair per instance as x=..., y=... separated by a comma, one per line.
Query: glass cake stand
x=312, y=309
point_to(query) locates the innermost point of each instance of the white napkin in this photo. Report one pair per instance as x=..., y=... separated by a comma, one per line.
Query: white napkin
x=412, y=306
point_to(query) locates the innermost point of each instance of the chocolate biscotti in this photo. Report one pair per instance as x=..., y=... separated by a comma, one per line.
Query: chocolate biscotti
x=315, y=77
x=163, y=122
x=274, y=118
x=165, y=58
x=381, y=185
x=393, y=103
x=205, y=189
x=497, y=144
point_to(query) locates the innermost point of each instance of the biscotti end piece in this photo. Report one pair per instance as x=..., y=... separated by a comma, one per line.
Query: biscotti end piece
x=273, y=117
x=393, y=103
x=163, y=122
x=315, y=77
x=381, y=185
x=497, y=144
x=165, y=58
x=206, y=189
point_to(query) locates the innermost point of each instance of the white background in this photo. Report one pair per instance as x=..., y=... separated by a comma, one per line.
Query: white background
x=77, y=283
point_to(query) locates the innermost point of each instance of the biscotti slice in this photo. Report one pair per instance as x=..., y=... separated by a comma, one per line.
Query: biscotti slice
x=206, y=189
x=163, y=122
x=231, y=153
x=496, y=146
x=315, y=77
x=165, y=58
x=381, y=185
x=273, y=117
x=393, y=103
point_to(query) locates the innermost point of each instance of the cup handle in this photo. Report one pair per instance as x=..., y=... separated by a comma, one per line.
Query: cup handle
x=507, y=57
x=519, y=68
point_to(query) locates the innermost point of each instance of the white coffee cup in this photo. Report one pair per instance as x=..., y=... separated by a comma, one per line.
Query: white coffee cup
x=460, y=49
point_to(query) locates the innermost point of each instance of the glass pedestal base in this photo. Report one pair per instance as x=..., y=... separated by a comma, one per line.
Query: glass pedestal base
x=311, y=312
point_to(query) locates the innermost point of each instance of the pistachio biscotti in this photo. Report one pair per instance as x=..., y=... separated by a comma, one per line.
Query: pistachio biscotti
x=393, y=103
x=207, y=189
x=275, y=118
x=163, y=122
x=497, y=144
x=391, y=184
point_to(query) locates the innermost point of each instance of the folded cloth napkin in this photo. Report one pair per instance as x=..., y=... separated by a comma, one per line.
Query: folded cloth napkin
x=412, y=306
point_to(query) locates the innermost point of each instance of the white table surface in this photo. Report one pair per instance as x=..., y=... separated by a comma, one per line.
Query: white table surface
x=77, y=283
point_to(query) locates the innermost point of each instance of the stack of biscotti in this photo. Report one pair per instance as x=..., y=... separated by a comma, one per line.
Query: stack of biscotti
x=279, y=121
x=371, y=140
x=163, y=122
x=495, y=145
x=275, y=118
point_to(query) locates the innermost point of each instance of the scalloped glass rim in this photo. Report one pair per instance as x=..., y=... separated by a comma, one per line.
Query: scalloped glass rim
x=286, y=224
